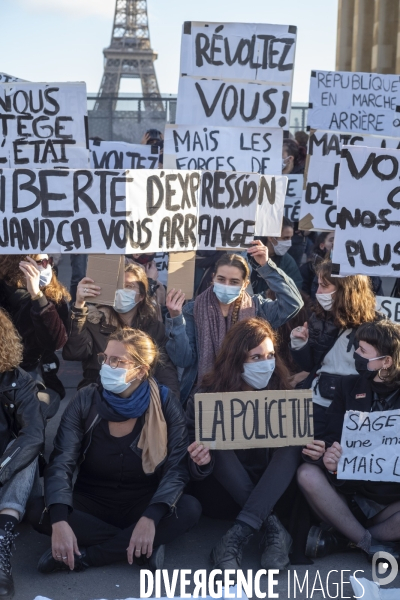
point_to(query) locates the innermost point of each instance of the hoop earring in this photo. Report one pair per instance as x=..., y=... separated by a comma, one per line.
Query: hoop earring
x=379, y=374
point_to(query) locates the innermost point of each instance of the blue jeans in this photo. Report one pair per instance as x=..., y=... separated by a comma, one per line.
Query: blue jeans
x=79, y=265
x=15, y=493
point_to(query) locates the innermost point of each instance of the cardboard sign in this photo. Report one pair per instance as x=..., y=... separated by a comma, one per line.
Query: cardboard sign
x=390, y=307
x=367, y=231
x=107, y=271
x=210, y=102
x=161, y=259
x=324, y=150
x=5, y=78
x=260, y=419
x=271, y=200
x=370, y=442
x=248, y=149
x=354, y=102
x=43, y=125
x=181, y=272
x=239, y=51
x=294, y=193
x=119, y=155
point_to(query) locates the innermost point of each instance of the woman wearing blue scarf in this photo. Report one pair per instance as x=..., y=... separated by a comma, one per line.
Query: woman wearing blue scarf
x=129, y=437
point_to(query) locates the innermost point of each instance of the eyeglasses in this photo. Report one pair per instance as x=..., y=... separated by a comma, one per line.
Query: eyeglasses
x=44, y=262
x=113, y=361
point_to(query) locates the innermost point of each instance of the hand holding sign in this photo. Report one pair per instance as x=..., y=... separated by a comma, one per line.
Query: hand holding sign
x=86, y=289
x=315, y=450
x=332, y=456
x=199, y=455
x=32, y=275
x=174, y=302
x=259, y=252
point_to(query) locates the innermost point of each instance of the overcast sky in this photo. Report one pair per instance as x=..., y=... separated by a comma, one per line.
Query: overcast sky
x=62, y=40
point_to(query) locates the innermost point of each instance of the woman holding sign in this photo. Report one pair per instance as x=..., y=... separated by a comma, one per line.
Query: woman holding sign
x=364, y=510
x=129, y=436
x=245, y=485
x=197, y=330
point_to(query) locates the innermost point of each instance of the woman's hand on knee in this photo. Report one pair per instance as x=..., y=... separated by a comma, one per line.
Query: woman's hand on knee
x=332, y=456
x=199, y=454
x=315, y=450
x=142, y=539
x=64, y=544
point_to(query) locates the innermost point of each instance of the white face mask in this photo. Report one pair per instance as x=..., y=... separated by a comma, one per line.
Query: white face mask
x=258, y=374
x=125, y=300
x=325, y=300
x=46, y=275
x=282, y=247
x=285, y=162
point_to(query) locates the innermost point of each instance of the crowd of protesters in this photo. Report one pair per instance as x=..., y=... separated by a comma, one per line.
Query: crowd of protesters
x=265, y=319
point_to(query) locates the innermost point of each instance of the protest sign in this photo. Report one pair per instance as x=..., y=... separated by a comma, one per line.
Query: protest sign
x=119, y=155
x=259, y=419
x=5, y=78
x=208, y=102
x=271, y=201
x=390, y=307
x=181, y=272
x=322, y=178
x=294, y=193
x=249, y=149
x=370, y=443
x=239, y=51
x=161, y=260
x=367, y=231
x=354, y=102
x=107, y=271
x=43, y=125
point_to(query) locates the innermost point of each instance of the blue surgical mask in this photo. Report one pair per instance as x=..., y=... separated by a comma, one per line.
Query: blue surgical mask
x=114, y=380
x=258, y=374
x=227, y=293
x=125, y=300
x=46, y=275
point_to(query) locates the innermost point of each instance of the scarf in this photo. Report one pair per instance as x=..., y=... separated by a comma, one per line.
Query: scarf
x=212, y=326
x=153, y=438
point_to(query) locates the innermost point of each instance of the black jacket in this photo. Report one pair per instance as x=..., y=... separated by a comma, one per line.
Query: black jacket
x=74, y=436
x=20, y=419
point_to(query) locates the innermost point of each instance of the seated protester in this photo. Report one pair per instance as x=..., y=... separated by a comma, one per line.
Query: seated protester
x=196, y=332
x=90, y=326
x=244, y=485
x=366, y=512
x=278, y=251
x=156, y=289
x=325, y=345
x=322, y=250
x=37, y=304
x=129, y=436
x=21, y=441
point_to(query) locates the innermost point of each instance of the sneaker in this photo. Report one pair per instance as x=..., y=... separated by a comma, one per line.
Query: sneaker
x=276, y=544
x=48, y=564
x=7, y=538
x=227, y=554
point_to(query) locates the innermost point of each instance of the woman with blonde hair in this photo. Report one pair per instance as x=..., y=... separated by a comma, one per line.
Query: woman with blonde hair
x=90, y=326
x=128, y=435
x=21, y=440
x=37, y=304
x=324, y=346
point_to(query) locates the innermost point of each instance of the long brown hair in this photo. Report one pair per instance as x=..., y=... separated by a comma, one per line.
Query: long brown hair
x=384, y=336
x=13, y=276
x=11, y=346
x=234, y=260
x=354, y=301
x=226, y=375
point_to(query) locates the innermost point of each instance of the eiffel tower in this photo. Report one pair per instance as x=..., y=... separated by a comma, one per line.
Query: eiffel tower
x=129, y=54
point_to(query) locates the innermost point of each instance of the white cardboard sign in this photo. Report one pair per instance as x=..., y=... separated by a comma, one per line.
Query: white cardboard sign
x=272, y=193
x=294, y=193
x=370, y=443
x=368, y=220
x=248, y=149
x=390, y=307
x=120, y=155
x=43, y=125
x=239, y=51
x=354, y=102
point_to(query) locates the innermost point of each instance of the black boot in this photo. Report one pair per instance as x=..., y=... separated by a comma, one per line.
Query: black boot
x=156, y=560
x=276, y=544
x=48, y=564
x=7, y=538
x=322, y=542
x=227, y=554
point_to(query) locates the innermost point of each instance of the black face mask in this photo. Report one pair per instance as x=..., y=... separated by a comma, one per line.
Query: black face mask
x=361, y=365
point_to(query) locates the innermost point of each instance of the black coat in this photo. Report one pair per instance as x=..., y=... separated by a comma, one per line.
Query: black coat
x=74, y=437
x=20, y=419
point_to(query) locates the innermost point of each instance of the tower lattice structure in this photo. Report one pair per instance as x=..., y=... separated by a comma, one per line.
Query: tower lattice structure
x=130, y=54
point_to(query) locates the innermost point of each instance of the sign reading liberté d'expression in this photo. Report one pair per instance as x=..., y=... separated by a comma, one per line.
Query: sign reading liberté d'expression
x=124, y=211
x=370, y=444
x=259, y=419
x=43, y=125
